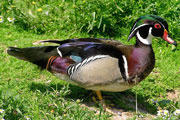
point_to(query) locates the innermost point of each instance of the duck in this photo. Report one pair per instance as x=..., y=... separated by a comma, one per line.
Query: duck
x=101, y=64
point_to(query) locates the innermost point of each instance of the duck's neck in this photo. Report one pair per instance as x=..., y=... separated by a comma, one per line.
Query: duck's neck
x=146, y=40
x=140, y=42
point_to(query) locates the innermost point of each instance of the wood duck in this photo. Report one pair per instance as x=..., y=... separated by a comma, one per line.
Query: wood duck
x=100, y=64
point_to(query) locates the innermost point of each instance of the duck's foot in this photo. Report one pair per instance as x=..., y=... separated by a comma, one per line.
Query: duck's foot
x=99, y=99
x=101, y=103
x=107, y=108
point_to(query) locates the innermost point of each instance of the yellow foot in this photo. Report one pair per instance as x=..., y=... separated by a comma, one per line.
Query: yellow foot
x=102, y=104
x=98, y=95
x=100, y=98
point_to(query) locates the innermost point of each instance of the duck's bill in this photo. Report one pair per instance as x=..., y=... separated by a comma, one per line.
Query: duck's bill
x=167, y=38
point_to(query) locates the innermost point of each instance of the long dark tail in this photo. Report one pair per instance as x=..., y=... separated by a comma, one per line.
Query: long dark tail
x=35, y=55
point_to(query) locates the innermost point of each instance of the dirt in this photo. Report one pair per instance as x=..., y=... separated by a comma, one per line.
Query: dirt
x=173, y=95
x=120, y=114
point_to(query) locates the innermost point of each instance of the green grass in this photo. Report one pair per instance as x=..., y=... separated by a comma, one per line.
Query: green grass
x=27, y=91
x=104, y=17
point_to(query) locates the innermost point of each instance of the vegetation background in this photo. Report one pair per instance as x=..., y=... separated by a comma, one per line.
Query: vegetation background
x=26, y=92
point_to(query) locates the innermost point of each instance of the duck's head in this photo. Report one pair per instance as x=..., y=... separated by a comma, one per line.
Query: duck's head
x=150, y=26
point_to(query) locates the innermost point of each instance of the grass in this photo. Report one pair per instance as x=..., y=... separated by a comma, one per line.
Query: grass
x=28, y=92
x=107, y=17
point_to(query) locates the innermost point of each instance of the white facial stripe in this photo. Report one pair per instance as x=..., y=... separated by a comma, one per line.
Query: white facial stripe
x=162, y=24
x=148, y=40
x=125, y=66
x=134, y=25
x=136, y=29
x=59, y=52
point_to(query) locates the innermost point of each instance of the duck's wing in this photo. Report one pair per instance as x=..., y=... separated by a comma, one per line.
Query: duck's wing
x=76, y=51
x=87, y=49
x=99, y=40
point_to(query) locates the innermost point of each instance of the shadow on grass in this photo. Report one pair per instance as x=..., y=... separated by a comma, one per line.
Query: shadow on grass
x=124, y=101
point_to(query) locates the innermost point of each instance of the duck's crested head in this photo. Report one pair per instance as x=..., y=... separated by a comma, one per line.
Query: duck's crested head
x=148, y=26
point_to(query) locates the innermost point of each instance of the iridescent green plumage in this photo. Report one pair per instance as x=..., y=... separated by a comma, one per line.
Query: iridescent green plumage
x=149, y=19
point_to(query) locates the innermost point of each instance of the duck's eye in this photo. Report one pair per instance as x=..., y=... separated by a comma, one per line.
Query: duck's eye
x=157, y=26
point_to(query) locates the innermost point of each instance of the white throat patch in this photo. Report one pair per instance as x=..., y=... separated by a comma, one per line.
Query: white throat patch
x=148, y=40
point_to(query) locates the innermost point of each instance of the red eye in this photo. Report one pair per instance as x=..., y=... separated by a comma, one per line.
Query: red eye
x=157, y=26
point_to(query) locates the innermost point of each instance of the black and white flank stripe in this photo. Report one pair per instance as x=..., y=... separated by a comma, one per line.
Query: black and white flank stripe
x=73, y=68
x=125, y=67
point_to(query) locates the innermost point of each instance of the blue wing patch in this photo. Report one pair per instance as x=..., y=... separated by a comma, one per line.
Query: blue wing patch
x=76, y=58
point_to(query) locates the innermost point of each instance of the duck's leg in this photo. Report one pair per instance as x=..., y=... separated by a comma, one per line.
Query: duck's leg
x=99, y=95
x=100, y=98
x=102, y=102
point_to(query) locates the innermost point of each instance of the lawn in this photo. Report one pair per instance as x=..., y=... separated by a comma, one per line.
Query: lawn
x=28, y=92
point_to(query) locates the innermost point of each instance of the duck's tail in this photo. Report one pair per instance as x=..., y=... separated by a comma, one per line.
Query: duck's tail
x=36, y=55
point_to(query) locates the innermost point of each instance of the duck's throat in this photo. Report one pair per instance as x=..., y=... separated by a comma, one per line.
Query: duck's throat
x=147, y=40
